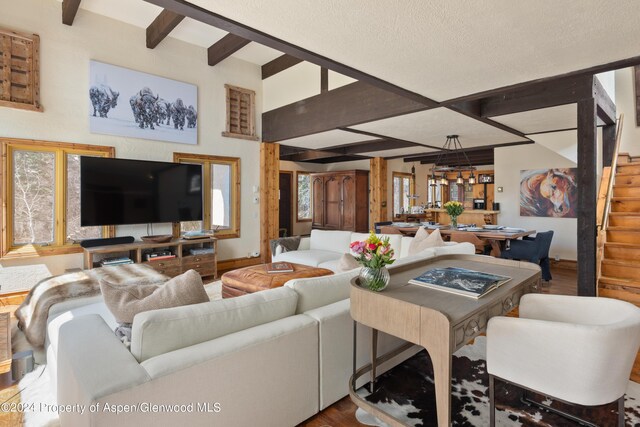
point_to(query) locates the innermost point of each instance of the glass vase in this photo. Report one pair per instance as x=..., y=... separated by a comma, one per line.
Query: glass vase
x=454, y=221
x=375, y=279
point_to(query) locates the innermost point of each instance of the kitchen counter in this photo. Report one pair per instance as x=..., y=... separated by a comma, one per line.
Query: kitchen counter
x=468, y=216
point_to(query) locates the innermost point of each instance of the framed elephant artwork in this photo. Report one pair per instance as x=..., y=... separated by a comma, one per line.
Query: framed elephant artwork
x=130, y=103
x=549, y=193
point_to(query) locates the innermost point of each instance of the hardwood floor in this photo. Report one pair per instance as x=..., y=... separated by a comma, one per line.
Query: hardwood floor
x=343, y=412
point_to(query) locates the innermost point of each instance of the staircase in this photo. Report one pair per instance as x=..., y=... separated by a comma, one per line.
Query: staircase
x=620, y=263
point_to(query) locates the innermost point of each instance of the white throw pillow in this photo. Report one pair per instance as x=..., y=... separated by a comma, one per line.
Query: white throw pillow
x=424, y=240
x=347, y=263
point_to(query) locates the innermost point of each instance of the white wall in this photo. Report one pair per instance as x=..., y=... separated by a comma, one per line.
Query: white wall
x=64, y=77
x=626, y=103
x=508, y=162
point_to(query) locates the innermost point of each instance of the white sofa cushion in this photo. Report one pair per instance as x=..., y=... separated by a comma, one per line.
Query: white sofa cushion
x=316, y=292
x=394, y=239
x=313, y=257
x=464, y=248
x=329, y=240
x=160, y=331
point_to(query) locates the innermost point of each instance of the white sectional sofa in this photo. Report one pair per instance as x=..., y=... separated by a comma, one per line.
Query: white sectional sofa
x=272, y=358
x=324, y=248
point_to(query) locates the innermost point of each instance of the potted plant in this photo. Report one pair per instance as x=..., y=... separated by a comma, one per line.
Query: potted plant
x=454, y=209
x=374, y=254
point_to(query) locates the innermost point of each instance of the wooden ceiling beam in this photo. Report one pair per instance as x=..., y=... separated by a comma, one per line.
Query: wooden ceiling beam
x=432, y=156
x=310, y=155
x=161, y=27
x=225, y=47
x=69, y=11
x=347, y=105
x=372, y=145
x=198, y=13
x=606, y=108
x=281, y=63
x=535, y=96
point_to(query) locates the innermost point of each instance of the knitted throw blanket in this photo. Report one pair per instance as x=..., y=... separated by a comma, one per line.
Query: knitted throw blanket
x=33, y=312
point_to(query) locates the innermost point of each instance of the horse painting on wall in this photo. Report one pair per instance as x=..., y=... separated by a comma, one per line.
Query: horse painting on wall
x=548, y=193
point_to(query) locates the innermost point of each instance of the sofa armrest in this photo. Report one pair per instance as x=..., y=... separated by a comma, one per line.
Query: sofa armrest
x=305, y=244
x=92, y=363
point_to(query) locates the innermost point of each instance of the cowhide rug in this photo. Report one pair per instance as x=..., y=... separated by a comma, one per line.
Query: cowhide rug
x=407, y=392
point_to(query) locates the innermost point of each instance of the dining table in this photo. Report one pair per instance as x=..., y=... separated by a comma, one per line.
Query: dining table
x=498, y=238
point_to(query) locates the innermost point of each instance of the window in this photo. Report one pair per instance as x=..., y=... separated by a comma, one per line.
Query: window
x=241, y=113
x=221, y=192
x=42, y=197
x=435, y=196
x=402, y=192
x=19, y=66
x=304, y=196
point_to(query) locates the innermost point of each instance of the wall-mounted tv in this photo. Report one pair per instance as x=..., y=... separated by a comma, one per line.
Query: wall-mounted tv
x=120, y=191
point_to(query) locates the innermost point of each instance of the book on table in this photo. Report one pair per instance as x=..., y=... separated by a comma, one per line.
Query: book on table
x=279, y=267
x=461, y=281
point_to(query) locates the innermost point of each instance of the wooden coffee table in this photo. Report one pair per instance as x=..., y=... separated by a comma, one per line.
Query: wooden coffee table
x=255, y=278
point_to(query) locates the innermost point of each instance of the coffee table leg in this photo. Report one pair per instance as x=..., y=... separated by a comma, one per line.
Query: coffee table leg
x=374, y=357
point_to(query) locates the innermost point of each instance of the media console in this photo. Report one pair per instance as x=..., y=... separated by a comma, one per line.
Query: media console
x=204, y=261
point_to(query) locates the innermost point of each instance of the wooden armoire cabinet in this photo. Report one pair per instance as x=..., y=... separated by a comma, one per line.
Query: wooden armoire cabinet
x=341, y=200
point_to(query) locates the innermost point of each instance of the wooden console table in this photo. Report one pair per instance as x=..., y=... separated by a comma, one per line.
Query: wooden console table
x=439, y=321
x=205, y=264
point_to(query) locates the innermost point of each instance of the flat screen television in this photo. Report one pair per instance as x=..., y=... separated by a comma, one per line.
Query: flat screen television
x=120, y=191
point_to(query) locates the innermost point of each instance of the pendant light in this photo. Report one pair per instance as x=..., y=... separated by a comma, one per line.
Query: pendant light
x=452, y=147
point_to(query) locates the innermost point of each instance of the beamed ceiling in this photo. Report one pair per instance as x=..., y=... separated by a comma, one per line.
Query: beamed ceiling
x=425, y=69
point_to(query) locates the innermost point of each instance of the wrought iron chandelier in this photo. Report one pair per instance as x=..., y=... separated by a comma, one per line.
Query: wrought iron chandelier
x=452, y=146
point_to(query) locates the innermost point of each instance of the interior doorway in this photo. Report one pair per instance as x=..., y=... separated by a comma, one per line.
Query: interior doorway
x=286, y=192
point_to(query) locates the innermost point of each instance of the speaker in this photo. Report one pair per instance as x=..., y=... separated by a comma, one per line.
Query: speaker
x=21, y=364
x=90, y=243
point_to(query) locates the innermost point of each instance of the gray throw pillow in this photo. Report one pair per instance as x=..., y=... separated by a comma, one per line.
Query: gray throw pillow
x=286, y=244
x=125, y=301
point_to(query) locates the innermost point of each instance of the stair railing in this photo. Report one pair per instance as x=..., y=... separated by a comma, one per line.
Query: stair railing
x=604, y=222
x=603, y=205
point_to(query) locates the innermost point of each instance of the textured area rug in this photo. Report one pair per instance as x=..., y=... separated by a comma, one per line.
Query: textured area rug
x=407, y=392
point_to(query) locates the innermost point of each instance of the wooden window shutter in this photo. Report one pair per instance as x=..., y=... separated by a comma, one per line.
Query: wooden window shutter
x=241, y=113
x=20, y=70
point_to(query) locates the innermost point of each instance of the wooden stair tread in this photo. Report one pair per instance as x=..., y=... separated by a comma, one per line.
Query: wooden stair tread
x=625, y=199
x=622, y=262
x=627, y=174
x=623, y=245
x=626, y=185
x=624, y=214
x=619, y=281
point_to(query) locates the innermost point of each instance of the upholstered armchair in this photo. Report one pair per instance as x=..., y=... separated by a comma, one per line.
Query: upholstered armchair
x=576, y=349
x=534, y=249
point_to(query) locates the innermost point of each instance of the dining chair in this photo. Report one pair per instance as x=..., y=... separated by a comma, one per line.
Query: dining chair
x=534, y=249
x=483, y=247
x=388, y=229
x=377, y=225
x=578, y=350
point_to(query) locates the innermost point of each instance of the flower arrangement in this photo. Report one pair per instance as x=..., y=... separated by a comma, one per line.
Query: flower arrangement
x=374, y=252
x=454, y=209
